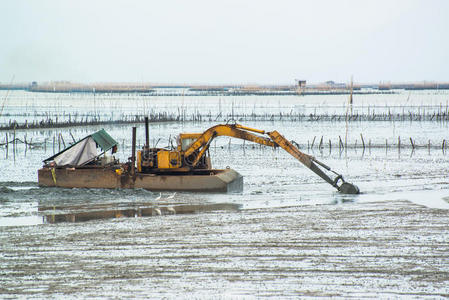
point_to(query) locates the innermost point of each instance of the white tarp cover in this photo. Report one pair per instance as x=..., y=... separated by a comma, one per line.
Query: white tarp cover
x=79, y=154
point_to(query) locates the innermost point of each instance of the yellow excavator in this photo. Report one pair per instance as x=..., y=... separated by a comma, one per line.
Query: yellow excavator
x=192, y=153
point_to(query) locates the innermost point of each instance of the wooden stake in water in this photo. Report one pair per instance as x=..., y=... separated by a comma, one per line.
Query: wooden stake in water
x=74, y=141
x=62, y=139
x=413, y=144
x=14, y=144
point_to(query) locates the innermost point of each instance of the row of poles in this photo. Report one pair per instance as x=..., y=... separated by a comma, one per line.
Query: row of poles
x=410, y=143
x=58, y=142
x=209, y=117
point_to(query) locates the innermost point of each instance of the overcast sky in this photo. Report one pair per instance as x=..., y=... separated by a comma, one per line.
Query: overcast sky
x=224, y=41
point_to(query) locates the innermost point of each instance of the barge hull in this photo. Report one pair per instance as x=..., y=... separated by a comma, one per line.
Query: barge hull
x=223, y=181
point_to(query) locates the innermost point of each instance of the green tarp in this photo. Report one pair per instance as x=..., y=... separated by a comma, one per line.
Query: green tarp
x=103, y=140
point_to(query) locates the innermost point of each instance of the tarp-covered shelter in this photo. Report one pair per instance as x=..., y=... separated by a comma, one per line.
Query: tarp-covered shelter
x=83, y=151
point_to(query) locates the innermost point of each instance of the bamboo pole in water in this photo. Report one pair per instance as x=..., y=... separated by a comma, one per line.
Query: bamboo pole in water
x=363, y=142
x=411, y=142
x=14, y=144
x=62, y=139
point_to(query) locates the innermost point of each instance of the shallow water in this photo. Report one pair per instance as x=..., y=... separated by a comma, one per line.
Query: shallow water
x=288, y=234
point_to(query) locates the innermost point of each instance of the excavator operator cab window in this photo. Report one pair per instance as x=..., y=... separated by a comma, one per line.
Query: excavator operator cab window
x=185, y=140
x=185, y=143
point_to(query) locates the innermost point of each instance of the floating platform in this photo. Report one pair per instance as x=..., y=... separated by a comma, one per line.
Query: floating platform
x=223, y=181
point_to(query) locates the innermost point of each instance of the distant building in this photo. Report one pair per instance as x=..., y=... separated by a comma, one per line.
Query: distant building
x=335, y=85
x=301, y=83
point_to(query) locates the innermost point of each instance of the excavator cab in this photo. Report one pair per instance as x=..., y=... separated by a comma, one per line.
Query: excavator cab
x=185, y=141
x=161, y=160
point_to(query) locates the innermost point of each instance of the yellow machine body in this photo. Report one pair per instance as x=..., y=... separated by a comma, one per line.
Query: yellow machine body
x=168, y=159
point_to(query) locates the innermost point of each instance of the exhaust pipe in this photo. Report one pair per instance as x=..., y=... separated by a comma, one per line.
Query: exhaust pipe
x=147, y=134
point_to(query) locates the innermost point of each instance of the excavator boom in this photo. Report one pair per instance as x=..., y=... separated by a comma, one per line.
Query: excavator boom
x=236, y=131
x=274, y=139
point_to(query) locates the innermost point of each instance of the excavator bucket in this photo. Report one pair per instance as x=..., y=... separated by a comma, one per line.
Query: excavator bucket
x=348, y=188
x=344, y=187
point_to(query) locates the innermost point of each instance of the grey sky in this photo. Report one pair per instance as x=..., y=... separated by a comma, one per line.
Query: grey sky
x=224, y=41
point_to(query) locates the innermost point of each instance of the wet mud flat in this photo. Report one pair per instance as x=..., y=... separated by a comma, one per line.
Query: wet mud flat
x=376, y=249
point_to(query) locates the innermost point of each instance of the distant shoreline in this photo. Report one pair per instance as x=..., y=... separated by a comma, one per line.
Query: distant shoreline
x=327, y=88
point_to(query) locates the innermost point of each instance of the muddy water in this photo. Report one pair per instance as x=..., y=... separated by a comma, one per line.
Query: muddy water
x=377, y=249
x=287, y=234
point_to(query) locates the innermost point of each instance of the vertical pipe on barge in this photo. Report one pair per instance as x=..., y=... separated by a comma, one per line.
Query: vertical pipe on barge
x=133, y=154
x=147, y=135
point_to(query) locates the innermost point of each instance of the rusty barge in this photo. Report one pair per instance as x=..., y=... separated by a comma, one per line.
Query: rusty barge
x=227, y=180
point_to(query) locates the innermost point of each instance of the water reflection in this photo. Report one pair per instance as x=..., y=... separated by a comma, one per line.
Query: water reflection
x=83, y=213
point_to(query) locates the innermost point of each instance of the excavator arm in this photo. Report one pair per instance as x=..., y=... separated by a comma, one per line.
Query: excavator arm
x=311, y=163
x=201, y=144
